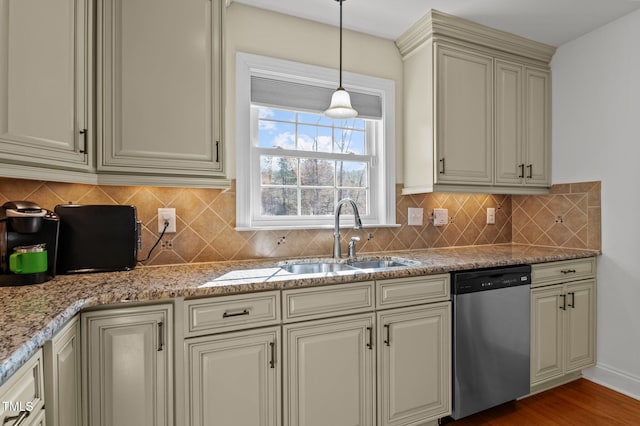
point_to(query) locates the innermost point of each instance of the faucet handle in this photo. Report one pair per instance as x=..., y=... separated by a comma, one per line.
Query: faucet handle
x=352, y=246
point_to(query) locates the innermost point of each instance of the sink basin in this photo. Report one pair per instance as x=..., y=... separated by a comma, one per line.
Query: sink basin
x=314, y=268
x=329, y=265
x=376, y=264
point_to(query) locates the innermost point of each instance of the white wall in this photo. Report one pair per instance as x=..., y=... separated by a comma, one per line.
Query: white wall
x=596, y=136
x=261, y=32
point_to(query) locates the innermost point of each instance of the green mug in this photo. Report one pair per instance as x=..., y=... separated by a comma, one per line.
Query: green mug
x=29, y=259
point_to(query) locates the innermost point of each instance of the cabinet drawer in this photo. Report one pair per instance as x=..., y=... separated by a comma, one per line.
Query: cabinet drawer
x=562, y=271
x=412, y=291
x=226, y=313
x=23, y=392
x=322, y=302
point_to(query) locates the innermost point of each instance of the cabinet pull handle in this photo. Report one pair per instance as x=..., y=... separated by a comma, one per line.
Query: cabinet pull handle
x=572, y=304
x=160, y=336
x=370, y=342
x=442, y=168
x=235, y=314
x=83, y=148
x=272, y=361
x=530, y=174
x=217, y=151
x=20, y=418
x=564, y=302
x=521, y=175
x=387, y=341
x=568, y=271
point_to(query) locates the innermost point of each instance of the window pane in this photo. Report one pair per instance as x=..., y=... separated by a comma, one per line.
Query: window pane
x=313, y=138
x=279, y=201
x=274, y=134
x=357, y=195
x=276, y=114
x=278, y=170
x=349, y=141
x=316, y=201
x=350, y=123
x=317, y=119
x=351, y=173
x=317, y=172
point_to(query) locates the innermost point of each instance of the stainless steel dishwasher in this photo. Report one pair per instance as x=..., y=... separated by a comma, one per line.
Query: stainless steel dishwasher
x=491, y=337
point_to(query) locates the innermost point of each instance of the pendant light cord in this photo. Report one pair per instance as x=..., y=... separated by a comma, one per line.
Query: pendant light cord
x=340, y=86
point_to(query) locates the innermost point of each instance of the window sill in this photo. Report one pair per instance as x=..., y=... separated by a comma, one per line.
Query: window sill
x=303, y=228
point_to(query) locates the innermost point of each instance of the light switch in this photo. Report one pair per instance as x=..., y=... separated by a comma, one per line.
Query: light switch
x=491, y=216
x=414, y=216
x=440, y=217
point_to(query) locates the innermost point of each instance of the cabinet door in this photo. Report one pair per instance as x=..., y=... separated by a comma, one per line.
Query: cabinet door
x=510, y=167
x=463, y=116
x=537, y=126
x=62, y=369
x=234, y=379
x=414, y=369
x=329, y=372
x=580, y=319
x=547, y=333
x=159, y=87
x=44, y=70
x=127, y=366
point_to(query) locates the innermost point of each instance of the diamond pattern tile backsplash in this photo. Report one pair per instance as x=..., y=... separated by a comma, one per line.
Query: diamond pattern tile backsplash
x=568, y=217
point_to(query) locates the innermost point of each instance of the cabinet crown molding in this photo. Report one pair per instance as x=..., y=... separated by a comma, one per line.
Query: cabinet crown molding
x=437, y=24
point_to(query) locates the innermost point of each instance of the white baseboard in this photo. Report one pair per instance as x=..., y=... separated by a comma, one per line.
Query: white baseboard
x=615, y=379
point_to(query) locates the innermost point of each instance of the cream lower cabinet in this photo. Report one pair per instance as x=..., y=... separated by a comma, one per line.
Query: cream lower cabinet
x=128, y=366
x=62, y=370
x=22, y=396
x=413, y=364
x=234, y=379
x=231, y=361
x=329, y=372
x=563, y=320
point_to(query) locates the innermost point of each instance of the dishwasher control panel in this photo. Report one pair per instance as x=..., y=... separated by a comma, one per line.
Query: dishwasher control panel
x=490, y=279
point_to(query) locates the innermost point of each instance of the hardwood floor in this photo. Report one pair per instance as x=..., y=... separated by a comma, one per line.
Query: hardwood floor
x=579, y=403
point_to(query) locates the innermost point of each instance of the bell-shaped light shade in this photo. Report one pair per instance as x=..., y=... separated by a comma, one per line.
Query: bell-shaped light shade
x=340, y=107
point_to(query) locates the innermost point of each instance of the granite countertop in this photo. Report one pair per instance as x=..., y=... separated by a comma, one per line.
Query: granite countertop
x=31, y=315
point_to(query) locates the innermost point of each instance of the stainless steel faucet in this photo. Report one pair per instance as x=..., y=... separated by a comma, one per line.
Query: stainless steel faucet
x=336, y=229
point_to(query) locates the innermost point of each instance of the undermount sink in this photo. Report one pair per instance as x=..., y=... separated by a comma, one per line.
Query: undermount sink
x=325, y=266
x=314, y=268
x=376, y=264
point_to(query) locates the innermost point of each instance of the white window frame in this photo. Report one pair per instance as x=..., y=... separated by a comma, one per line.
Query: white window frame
x=382, y=202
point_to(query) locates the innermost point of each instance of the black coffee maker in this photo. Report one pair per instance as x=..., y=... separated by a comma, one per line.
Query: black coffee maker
x=25, y=226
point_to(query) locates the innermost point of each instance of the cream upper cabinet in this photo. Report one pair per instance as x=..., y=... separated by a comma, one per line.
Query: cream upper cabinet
x=159, y=87
x=522, y=124
x=476, y=108
x=44, y=83
x=463, y=116
x=128, y=366
x=414, y=364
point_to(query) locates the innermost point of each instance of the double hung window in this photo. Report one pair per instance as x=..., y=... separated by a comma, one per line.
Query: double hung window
x=293, y=163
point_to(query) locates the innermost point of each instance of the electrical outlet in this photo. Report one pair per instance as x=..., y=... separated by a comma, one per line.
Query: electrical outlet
x=414, y=216
x=167, y=215
x=440, y=217
x=491, y=216
x=166, y=244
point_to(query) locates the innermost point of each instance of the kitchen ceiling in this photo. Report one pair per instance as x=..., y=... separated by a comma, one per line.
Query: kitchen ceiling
x=549, y=21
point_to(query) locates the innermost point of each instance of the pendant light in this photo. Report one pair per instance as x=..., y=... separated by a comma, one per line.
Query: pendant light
x=340, y=107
